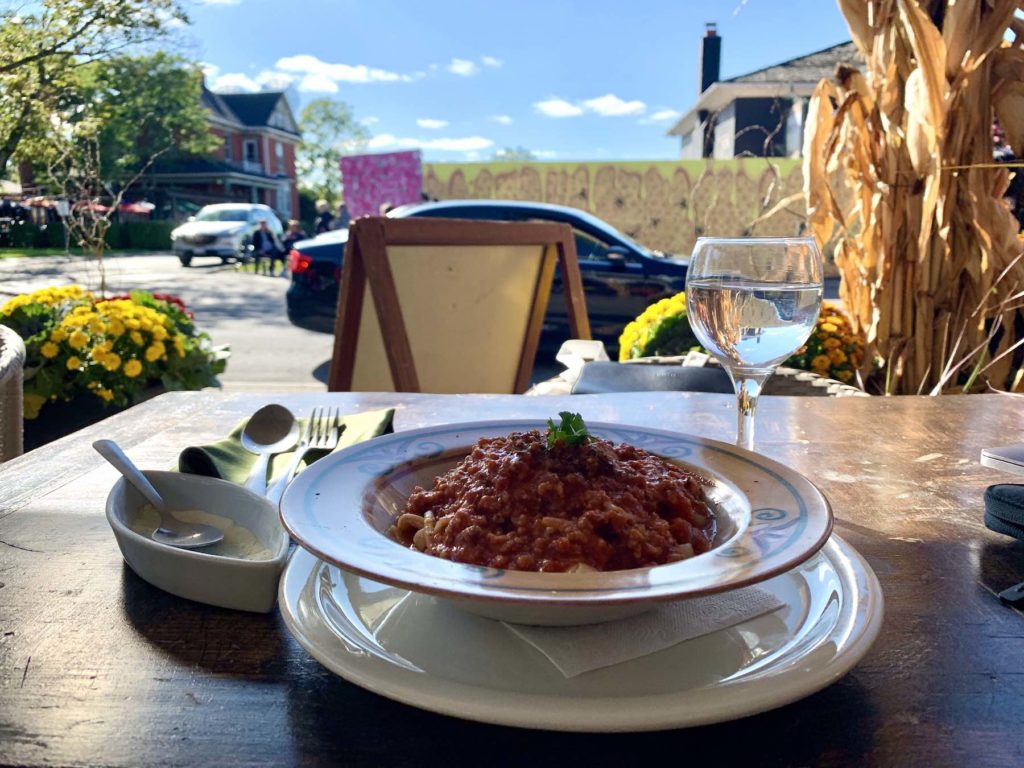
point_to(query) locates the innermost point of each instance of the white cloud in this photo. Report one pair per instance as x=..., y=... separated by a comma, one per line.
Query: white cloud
x=307, y=65
x=371, y=120
x=234, y=82
x=434, y=125
x=544, y=154
x=503, y=119
x=467, y=144
x=611, y=105
x=663, y=115
x=608, y=105
x=381, y=140
x=490, y=61
x=317, y=83
x=210, y=71
x=472, y=156
x=463, y=67
x=274, y=81
x=219, y=2
x=555, y=107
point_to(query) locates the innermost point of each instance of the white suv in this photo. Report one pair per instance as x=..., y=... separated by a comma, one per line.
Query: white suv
x=224, y=230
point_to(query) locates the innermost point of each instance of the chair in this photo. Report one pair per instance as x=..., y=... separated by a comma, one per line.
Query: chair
x=12, y=362
x=458, y=306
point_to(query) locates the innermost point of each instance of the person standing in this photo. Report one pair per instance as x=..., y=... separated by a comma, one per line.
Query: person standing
x=291, y=237
x=266, y=248
x=343, y=219
x=323, y=217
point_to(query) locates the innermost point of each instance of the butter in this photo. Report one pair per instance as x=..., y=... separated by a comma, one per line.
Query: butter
x=238, y=542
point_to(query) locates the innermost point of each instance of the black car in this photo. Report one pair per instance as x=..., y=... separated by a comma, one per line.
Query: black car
x=620, y=277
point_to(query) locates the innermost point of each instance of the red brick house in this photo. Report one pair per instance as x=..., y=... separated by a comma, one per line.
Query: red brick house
x=254, y=164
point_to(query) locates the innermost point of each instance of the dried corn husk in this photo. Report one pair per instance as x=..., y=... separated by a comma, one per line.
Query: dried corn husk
x=901, y=171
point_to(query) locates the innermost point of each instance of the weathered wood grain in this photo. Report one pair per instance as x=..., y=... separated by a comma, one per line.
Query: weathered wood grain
x=99, y=668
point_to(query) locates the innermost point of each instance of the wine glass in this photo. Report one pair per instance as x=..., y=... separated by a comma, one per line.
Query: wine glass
x=752, y=302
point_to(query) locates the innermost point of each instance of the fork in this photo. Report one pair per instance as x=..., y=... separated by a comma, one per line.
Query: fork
x=321, y=434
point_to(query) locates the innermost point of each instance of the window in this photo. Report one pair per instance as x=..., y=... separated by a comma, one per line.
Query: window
x=228, y=154
x=279, y=151
x=251, y=154
x=588, y=247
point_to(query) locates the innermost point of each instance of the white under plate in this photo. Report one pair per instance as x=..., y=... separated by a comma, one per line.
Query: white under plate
x=417, y=649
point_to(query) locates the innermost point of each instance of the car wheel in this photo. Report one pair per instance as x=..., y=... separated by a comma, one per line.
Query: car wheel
x=185, y=260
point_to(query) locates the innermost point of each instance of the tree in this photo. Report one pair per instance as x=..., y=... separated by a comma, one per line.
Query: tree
x=514, y=155
x=329, y=130
x=41, y=44
x=118, y=117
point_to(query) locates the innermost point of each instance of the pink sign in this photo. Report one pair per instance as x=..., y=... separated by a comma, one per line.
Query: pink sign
x=391, y=178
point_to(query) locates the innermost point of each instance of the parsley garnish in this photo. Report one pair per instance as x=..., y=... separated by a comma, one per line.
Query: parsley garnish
x=572, y=430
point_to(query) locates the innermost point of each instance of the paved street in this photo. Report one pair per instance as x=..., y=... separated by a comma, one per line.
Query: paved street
x=246, y=312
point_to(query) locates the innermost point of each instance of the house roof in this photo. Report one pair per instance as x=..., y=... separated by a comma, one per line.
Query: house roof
x=267, y=109
x=789, y=79
x=811, y=67
x=252, y=108
x=215, y=103
x=206, y=166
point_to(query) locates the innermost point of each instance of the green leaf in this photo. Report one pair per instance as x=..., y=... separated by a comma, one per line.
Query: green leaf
x=571, y=431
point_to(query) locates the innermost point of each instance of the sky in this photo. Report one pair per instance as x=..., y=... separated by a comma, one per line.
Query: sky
x=464, y=79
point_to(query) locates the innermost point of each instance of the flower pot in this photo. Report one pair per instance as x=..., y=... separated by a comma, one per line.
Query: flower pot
x=59, y=418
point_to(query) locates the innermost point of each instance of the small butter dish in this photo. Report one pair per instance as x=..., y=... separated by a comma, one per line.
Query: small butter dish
x=241, y=572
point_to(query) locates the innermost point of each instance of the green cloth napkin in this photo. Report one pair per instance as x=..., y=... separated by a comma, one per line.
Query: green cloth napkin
x=228, y=460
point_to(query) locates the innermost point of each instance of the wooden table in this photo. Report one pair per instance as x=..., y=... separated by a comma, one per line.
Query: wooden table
x=99, y=668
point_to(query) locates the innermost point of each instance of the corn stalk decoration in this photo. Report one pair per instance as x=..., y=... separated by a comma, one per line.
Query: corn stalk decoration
x=898, y=168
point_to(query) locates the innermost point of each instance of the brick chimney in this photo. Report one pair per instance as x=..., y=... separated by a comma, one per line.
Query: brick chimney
x=710, y=56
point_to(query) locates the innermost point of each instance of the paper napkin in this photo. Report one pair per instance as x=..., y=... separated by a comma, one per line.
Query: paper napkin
x=575, y=650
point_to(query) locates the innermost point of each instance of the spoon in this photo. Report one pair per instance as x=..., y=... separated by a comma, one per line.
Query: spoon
x=171, y=531
x=272, y=429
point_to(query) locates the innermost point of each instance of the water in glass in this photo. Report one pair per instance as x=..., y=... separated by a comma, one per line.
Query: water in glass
x=752, y=302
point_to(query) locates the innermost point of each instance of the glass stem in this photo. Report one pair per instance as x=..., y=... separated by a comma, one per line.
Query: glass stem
x=748, y=383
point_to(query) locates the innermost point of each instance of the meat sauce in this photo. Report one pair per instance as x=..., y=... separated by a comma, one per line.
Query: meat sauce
x=516, y=503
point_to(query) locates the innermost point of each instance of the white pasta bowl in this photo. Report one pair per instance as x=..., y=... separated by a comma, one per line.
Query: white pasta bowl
x=770, y=519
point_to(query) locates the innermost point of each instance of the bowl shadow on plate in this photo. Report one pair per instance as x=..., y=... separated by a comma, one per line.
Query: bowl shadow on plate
x=237, y=642
x=327, y=714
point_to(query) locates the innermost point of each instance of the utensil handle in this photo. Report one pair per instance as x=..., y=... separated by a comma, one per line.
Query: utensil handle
x=277, y=489
x=112, y=452
x=257, y=481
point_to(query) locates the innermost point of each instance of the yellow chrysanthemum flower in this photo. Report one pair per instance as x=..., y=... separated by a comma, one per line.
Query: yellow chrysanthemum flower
x=821, y=362
x=155, y=351
x=132, y=368
x=58, y=335
x=49, y=350
x=78, y=340
x=104, y=393
x=137, y=339
x=112, y=361
x=159, y=332
x=74, y=363
x=116, y=328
